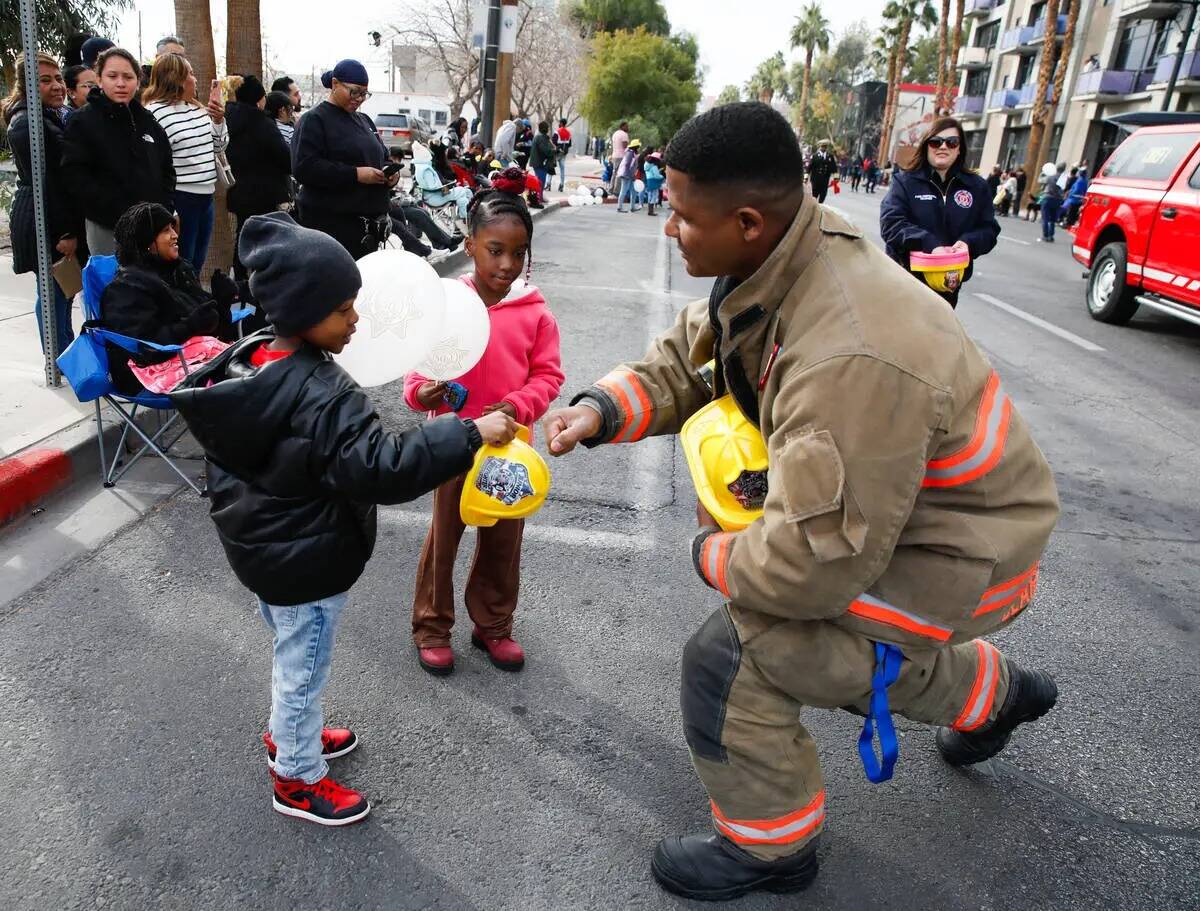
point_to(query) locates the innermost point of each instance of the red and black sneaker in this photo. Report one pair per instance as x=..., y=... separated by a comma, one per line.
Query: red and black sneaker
x=335, y=742
x=326, y=802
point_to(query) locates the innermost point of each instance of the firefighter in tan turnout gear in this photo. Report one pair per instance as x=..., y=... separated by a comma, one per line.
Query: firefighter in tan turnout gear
x=906, y=508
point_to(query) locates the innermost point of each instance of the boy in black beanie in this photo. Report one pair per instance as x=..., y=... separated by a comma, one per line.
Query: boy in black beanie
x=297, y=460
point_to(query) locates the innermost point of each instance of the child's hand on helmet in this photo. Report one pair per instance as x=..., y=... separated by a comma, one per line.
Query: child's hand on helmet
x=497, y=428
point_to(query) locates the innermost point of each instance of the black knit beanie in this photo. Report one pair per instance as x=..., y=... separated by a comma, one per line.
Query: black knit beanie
x=251, y=91
x=298, y=275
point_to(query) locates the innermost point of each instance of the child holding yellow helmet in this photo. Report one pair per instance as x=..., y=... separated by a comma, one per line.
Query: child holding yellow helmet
x=521, y=374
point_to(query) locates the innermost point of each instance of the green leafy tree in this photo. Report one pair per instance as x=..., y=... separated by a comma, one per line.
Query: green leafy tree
x=640, y=75
x=729, y=95
x=57, y=22
x=770, y=79
x=594, y=16
x=811, y=31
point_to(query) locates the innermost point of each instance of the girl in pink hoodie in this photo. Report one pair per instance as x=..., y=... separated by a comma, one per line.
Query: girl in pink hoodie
x=520, y=373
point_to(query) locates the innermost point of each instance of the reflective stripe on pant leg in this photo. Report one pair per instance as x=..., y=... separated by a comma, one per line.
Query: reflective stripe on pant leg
x=781, y=830
x=979, y=702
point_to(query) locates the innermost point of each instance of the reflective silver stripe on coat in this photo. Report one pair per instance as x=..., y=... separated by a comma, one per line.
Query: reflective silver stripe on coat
x=984, y=699
x=710, y=561
x=990, y=440
x=635, y=403
x=879, y=602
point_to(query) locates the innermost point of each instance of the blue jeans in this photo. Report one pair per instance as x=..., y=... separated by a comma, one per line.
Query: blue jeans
x=543, y=177
x=1049, y=217
x=303, y=651
x=195, y=226
x=62, y=318
x=628, y=192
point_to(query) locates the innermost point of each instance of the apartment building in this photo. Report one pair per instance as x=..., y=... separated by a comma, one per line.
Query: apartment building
x=1121, y=62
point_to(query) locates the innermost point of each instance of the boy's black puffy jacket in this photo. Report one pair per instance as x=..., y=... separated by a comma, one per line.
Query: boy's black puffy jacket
x=297, y=461
x=919, y=213
x=113, y=156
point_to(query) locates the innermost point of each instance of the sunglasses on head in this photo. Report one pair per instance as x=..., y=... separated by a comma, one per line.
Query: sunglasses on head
x=950, y=142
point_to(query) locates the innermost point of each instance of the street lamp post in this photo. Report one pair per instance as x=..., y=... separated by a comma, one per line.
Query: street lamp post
x=1183, y=43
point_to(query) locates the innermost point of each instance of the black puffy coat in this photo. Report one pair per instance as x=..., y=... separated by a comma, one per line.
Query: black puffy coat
x=62, y=217
x=328, y=148
x=156, y=302
x=297, y=459
x=921, y=213
x=261, y=161
x=115, y=155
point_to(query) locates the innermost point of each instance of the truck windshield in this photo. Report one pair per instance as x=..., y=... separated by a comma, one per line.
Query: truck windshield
x=1150, y=156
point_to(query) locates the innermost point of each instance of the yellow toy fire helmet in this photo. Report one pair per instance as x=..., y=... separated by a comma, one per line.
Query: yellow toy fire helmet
x=941, y=271
x=506, y=482
x=727, y=457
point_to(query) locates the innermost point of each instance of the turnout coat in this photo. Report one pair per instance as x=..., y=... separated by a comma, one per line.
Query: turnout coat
x=906, y=498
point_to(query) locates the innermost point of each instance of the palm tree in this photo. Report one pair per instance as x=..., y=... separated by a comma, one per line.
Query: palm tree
x=193, y=24
x=769, y=79
x=943, y=74
x=1043, y=112
x=1041, y=152
x=905, y=13
x=948, y=101
x=811, y=31
x=243, y=38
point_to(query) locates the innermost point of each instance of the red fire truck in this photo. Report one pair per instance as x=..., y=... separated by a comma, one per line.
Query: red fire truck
x=1138, y=232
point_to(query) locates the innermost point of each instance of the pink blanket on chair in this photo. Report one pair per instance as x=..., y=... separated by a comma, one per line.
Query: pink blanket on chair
x=164, y=377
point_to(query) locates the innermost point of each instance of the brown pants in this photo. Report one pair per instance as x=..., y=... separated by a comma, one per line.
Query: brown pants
x=492, y=586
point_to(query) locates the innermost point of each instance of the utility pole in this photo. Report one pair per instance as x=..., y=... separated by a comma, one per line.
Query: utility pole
x=509, y=16
x=1183, y=43
x=392, y=66
x=140, y=57
x=491, y=50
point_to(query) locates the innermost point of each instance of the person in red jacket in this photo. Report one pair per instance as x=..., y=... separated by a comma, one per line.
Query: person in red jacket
x=520, y=374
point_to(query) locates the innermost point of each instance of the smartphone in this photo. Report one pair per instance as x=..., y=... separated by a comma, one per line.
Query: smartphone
x=391, y=168
x=214, y=92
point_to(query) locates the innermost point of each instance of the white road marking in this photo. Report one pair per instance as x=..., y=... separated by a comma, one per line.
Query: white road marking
x=1013, y=240
x=1040, y=323
x=543, y=534
x=612, y=289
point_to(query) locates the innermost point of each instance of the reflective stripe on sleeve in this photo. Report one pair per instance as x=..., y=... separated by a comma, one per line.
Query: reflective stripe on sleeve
x=871, y=608
x=714, y=555
x=986, y=446
x=781, y=830
x=633, y=403
x=983, y=692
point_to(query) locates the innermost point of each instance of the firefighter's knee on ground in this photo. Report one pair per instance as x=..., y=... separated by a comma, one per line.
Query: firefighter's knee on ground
x=711, y=660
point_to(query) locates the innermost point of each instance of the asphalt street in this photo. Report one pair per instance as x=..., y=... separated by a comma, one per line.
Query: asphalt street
x=135, y=683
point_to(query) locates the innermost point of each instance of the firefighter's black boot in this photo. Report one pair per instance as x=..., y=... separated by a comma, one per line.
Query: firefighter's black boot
x=1031, y=694
x=710, y=868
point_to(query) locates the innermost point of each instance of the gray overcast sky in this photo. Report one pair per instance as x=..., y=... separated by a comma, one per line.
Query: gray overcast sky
x=301, y=34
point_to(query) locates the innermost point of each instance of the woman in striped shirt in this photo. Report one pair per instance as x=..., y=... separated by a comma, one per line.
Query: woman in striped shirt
x=197, y=134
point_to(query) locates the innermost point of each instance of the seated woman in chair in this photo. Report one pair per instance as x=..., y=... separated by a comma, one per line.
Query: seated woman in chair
x=438, y=182
x=155, y=296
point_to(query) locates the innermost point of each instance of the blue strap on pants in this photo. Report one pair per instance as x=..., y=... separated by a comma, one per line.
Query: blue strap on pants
x=887, y=668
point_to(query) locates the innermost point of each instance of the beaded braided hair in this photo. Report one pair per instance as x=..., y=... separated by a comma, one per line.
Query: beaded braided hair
x=489, y=206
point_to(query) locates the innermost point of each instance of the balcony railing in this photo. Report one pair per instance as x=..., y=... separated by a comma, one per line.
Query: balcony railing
x=1189, y=70
x=1003, y=99
x=1028, y=93
x=1113, y=82
x=1016, y=39
x=1039, y=29
x=978, y=7
x=974, y=58
x=969, y=104
x=1145, y=9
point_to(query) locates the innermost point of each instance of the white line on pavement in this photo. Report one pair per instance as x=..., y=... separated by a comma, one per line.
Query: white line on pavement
x=612, y=289
x=1013, y=240
x=1040, y=323
x=544, y=534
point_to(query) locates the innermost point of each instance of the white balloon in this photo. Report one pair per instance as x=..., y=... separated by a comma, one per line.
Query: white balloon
x=466, y=334
x=574, y=201
x=402, y=312
x=598, y=192
x=639, y=185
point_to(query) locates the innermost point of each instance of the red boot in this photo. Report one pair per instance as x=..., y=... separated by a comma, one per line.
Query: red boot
x=504, y=653
x=438, y=660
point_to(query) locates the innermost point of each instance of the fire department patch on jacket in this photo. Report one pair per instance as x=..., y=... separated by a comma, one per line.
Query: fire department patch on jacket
x=964, y=198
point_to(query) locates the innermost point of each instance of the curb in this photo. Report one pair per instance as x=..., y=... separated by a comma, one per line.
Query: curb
x=39, y=471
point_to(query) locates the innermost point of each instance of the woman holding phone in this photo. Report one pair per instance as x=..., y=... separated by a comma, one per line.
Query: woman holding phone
x=197, y=135
x=338, y=158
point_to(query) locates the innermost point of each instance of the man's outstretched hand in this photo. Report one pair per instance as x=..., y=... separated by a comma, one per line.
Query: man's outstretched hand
x=565, y=428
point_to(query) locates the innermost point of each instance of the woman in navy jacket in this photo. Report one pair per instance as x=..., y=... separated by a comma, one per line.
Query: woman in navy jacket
x=935, y=205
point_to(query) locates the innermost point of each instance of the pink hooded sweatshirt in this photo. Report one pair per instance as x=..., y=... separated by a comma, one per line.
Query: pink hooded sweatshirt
x=521, y=365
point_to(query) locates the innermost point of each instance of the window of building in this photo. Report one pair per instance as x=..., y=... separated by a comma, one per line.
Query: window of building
x=1151, y=156
x=1013, y=144
x=974, y=150
x=1140, y=44
x=1036, y=12
x=1056, y=136
x=1110, y=137
x=986, y=36
x=440, y=118
x=425, y=115
x=1025, y=70
x=977, y=82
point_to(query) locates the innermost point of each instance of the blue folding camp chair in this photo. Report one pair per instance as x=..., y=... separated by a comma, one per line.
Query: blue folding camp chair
x=85, y=365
